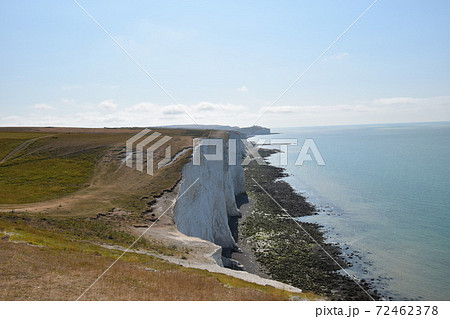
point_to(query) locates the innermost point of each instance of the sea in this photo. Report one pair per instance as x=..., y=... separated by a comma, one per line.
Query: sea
x=383, y=195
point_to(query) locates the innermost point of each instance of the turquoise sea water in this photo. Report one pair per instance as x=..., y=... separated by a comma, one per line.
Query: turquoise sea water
x=384, y=192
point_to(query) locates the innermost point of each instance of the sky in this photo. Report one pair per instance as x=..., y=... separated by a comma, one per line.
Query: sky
x=223, y=62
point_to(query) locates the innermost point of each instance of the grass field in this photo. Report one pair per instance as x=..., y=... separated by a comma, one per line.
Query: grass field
x=9, y=141
x=42, y=166
x=54, y=185
x=39, y=177
x=52, y=259
x=46, y=168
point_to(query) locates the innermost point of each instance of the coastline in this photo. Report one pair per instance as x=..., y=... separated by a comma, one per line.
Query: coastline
x=289, y=251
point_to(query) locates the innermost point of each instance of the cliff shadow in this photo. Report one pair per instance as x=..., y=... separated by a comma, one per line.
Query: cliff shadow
x=233, y=222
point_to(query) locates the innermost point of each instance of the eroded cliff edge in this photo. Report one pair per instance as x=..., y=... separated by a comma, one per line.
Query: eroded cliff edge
x=208, y=192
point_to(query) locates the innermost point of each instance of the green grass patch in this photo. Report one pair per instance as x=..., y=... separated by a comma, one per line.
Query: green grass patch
x=10, y=140
x=37, y=178
x=81, y=230
x=20, y=135
x=7, y=145
x=55, y=240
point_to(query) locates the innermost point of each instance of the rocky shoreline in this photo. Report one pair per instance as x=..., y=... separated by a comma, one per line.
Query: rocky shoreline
x=289, y=250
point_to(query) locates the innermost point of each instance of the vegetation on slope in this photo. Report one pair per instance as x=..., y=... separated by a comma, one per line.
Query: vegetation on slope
x=42, y=261
x=88, y=164
x=54, y=185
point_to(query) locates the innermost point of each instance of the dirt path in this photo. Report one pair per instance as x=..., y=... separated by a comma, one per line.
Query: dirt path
x=202, y=254
x=22, y=147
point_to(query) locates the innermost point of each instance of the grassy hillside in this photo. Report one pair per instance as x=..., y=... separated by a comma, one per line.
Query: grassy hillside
x=56, y=183
x=45, y=164
x=40, y=261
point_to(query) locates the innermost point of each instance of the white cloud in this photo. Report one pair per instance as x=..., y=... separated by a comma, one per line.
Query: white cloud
x=43, y=106
x=199, y=111
x=69, y=102
x=279, y=109
x=207, y=106
x=172, y=110
x=382, y=110
x=396, y=100
x=314, y=109
x=12, y=119
x=143, y=107
x=140, y=114
x=108, y=105
x=242, y=89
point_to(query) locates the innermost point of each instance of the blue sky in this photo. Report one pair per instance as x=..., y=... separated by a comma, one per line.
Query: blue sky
x=224, y=61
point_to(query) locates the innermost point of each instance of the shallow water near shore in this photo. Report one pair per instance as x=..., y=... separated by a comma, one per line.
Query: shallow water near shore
x=384, y=192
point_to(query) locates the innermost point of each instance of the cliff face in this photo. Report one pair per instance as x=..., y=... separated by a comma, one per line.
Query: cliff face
x=204, y=209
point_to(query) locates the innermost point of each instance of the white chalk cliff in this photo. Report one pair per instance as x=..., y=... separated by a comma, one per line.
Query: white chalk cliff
x=203, y=206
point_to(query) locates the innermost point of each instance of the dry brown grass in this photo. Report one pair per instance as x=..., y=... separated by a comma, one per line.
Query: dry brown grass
x=37, y=273
x=42, y=262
